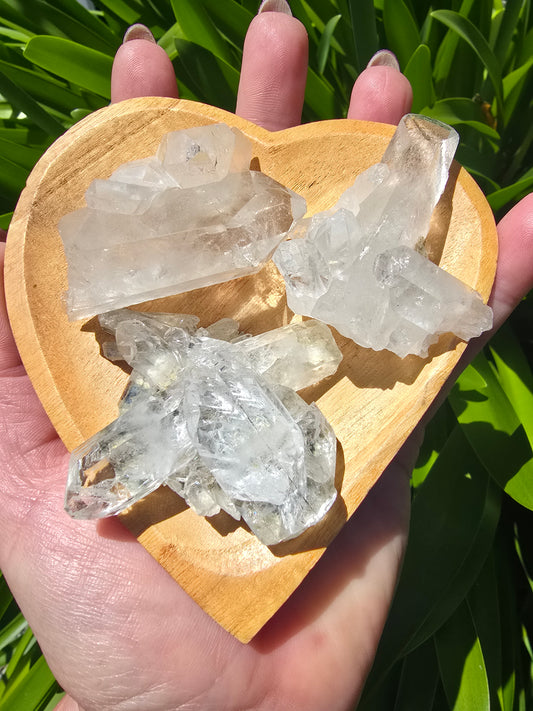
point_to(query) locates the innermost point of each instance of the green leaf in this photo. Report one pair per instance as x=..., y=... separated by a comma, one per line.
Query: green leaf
x=459, y=111
x=41, y=87
x=6, y=598
x=365, y=36
x=490, y=423
x=26, y=104
x=418, y=681
x=403, y=36
x=39, y=685
x=320, y=99
x=212, y=80
x=515, y=376
x=512, y=193
x=128, y=10
x=461, y=663
x=447, y=50
x=418, y=71
x=453, y=520
x=83, y=66
x=13, y=630
x=199, y=29
x=5, y=220
x=231, y=18
x=76, y=30
x=508, y=26
x=89, y=20
x=470, y=33
x=22, y=155
x=484, y=605
x=325, y=43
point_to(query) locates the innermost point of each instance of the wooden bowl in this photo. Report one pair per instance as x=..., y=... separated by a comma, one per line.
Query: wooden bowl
x=373, y=402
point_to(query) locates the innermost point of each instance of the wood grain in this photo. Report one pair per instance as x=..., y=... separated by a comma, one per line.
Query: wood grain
x=373, y=402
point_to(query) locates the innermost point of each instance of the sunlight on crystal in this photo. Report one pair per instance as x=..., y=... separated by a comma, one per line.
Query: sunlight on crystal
x=192, y=216
x=214, y=415
x=357, y=266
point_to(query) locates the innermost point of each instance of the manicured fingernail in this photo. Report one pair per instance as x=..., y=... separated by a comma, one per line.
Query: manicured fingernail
x=138, y=31
x=275, y=6
x=384, y=58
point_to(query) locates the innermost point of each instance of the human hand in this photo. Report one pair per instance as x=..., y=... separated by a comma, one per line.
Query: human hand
x=117, y=631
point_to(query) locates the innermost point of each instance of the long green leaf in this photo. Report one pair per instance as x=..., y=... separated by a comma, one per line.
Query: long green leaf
x=365, y=36
x=402, y=32
x=325, y=43
x=484, y=605
x=39, y=685
x=461, y=663
x=199, y=29
x=447, y=50
x=508, y=26
x=6, y=598
x=231, y=18
x=94, y=25
x=128, y=10
x=71, y=61
x=22, y=155
x=514, y=373
x=26, y=104
x=76, y=30
x=418, y=71
x=490, y=423
x=470, y=33
x=213, y=80
x=40, y=87
x=454, y=517
x=418, y=681
x=512, y=193
x=465, y=112
x=12, y=630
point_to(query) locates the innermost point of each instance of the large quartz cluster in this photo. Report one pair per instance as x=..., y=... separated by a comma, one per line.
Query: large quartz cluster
x=214, y=416
x=191, y=216
x=359, y=266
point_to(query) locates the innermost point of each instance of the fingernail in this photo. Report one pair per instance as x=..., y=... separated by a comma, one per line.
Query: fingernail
x=384, y=58
x=275, y=6
x=138, y=31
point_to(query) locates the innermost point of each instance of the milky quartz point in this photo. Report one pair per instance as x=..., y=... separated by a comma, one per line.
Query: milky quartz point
x=191, y=216
x=343, y=266
x=216, y=421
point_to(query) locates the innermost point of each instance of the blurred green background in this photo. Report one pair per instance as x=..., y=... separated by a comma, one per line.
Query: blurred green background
x=460, y=632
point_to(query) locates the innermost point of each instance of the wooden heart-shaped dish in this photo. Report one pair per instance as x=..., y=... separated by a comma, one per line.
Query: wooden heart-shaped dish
x=373, y=402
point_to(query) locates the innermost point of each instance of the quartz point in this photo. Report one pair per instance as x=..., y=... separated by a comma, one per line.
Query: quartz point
x=358, y=266
x=211, y=414
x=191, y=216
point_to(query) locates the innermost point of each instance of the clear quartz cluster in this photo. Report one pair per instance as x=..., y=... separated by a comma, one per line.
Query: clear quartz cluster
x=214, y=416
x=191, y=216
x=358, y=267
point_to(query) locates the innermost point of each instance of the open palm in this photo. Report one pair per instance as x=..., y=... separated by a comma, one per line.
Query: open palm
x=116, y=630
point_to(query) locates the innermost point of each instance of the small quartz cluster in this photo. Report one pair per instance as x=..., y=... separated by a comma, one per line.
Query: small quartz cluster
x=215, y=416
x=190, y=216
x=359, y=266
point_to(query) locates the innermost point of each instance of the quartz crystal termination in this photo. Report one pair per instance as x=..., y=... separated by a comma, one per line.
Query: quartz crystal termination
x=218, y=421
x=358, y=267
x=191, y=216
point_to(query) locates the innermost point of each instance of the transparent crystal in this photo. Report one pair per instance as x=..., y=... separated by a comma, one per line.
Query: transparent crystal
x=191, y=217
x=214, y=421
x=332, y=264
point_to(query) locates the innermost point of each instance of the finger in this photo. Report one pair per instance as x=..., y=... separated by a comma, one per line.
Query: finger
x=381, y=92
x=274, y=70
x=514, y=274
x=141, y=68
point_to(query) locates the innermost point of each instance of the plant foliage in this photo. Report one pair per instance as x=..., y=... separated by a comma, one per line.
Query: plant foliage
x=461, y=625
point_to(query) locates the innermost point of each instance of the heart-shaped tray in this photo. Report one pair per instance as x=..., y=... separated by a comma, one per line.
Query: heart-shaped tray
x=373, y=402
